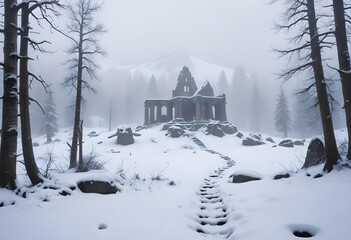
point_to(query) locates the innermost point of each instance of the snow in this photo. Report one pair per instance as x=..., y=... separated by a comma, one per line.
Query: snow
x=10, y=76
x=166, y=184
x=201, y=70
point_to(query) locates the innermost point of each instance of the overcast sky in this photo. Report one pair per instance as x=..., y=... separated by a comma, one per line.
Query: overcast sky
x=226, y=32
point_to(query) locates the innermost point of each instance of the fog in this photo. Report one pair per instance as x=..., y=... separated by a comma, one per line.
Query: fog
x=225, y=33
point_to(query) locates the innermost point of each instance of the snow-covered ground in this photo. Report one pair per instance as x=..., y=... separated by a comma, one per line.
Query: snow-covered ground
x=175, y=189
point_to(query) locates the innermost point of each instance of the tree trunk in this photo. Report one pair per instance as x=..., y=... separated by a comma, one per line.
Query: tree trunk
x=27, y=145
x=344, y=63
x=80, y=159
x=9, y=132
x=322, y=94
x=48, y=133
x=74, y=148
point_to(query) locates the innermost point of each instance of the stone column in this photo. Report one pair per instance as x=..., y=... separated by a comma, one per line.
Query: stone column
x=221, y=114
x=147, y=114
x=207, y=111
x=178, y=109
x=210, y=112
x=169, y=113
x=198, y=110
x=152, y=114
x=224, y=112
x=158, y=117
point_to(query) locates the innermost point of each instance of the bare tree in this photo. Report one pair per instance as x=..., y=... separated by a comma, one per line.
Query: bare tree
x=344, y=63
x=83, y=32
x=9, y=132
x=27, y=8
x=301, y=13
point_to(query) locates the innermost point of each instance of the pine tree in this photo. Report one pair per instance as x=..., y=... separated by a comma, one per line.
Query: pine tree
x=238, y=98
x=50, y=120
x=153, y=91
x=282, y=115
x=223, y=85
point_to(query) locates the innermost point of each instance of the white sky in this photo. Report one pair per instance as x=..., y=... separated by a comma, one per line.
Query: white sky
x=226, y=32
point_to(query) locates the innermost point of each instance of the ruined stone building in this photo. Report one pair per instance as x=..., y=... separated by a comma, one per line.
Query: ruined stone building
x=188, y=103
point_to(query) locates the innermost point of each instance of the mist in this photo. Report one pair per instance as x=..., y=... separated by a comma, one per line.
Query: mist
x=159, y=37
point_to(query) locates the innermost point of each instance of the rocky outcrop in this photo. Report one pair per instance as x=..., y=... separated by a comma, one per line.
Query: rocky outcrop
x=96, y=186
x=174, y=132
x=315, y=154
x=252, y=142
x=125, y=136
x=286, y=143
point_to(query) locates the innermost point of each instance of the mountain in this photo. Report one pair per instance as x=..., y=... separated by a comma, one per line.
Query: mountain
x=171, y=65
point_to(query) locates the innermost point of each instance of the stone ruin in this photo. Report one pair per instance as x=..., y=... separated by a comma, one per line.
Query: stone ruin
x=188, y=103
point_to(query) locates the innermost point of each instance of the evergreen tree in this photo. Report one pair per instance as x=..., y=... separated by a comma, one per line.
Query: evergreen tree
x=223, y=85
x=238, y=98
x=256, y=106
x=153, y=91
x=282, y=115
x=50, y=121
x=306, y=121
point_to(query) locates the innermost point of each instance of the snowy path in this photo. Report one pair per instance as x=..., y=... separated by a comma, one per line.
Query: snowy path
x=180, y=189
x=212, y=213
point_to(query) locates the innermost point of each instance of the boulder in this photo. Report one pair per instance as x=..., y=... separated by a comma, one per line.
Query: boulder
x=239, y=135
x=241, y=178
x=251, y=142
x=286, y=143
x=94, y=186
x=229, y=128
x=125, y=136
x=257, y=137
x=269, y=139
x=281, y=176
x=139, y=128
x=174, y=132
x=298, y=143
x=214, y=128
x=315, y=154
x=35, y=144
x=93, y=134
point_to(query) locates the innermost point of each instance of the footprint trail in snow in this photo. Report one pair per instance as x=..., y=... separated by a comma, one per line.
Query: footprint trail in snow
x=212, y=213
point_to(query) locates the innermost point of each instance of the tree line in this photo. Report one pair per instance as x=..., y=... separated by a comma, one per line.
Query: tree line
x=309, y=37
x=82, y=31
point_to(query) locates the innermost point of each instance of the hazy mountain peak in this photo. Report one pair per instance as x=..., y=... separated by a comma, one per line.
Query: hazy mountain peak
x=173, y=64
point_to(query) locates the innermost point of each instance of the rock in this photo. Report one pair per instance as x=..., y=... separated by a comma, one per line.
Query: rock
x=93, y=134
x=257, y=137
x=315, y=154
x=174, y=132
x=298, y=143
x=139, y=128
x=240, y=178
x=229, y=128
x=125, y=136
x=251, y=142
x=239, y=135
x=319, y=175
x=35, y=144
x=280, y=176
x=214, y=128
x=94, y=186
x=269, y=139
x=136, y=134
x=286, y=143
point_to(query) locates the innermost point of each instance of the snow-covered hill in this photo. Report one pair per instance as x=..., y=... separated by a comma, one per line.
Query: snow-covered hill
x=179, y=189
x=171, y=65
